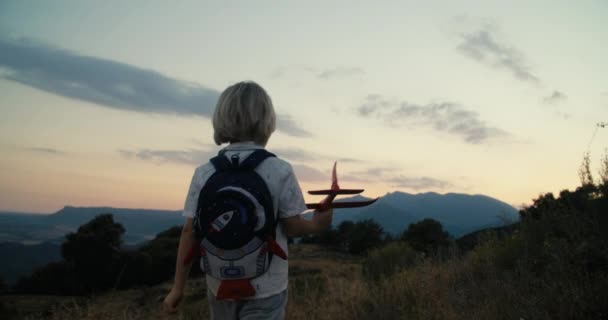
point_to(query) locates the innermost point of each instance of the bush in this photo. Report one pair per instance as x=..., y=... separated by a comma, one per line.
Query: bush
x=427, y=236
x=353, y=237
x=154, y=262
x=54, y=278
x=383, y=262
x=363, y=236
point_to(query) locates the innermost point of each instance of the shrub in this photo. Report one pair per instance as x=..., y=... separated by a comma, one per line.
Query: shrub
x=383, y=262
x=427, y=236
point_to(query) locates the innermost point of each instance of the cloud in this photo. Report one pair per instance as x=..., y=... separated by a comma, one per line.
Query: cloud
x=105, y=82
x=185, y=157
x=419, y=183
x=375, y=172
x=286, y=124
x=198, y=156
x=301, y=155
x=484, y=47
x=553, y=100
x=309, y=174
x=446, y=117
x=340, y=72
x=389, y=175
x=326, y=74
x=294, y=154
x=110, y=83
x=555, y=97
x=46, y=150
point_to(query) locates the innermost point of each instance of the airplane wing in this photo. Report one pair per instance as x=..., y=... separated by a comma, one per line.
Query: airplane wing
x=339, y=191
x=342, y=205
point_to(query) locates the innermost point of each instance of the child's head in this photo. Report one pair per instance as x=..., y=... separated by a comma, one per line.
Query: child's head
x=244, y=112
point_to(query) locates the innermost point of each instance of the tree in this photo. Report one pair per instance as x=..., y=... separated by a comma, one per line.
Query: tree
x=152, y=263
x=426, y=235
x=328, y=237
x=354, y=237
x=584, y=172
x=94, y=253
x=361, y=236
x=604, y=174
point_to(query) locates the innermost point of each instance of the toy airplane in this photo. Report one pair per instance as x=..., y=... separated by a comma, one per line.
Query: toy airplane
x=333, y=192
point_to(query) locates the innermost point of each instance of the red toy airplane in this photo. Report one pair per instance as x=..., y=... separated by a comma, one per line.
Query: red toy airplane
x=333, y=192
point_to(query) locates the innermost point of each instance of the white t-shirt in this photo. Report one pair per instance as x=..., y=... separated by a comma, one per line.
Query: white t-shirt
x=287, y=201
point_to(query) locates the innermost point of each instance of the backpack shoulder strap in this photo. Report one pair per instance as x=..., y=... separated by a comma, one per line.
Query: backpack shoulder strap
x=254, y=159
x=220, y=162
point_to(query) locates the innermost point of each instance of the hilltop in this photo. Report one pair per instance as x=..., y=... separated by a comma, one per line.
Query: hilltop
x=458, y=213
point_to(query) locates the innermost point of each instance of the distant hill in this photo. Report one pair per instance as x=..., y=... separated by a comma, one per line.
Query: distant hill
x=43, y=233
x=458, y=213
x=34, y=240
x=140, y=224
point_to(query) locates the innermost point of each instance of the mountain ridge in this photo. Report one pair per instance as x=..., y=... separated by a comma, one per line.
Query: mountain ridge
x=458, y=213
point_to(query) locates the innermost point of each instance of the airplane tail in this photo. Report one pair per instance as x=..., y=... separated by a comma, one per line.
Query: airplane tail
x=335, y=188
x=334, y=178
x=333, y=192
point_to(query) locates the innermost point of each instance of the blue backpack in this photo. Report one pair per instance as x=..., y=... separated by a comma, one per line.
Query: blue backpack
x=235, y=225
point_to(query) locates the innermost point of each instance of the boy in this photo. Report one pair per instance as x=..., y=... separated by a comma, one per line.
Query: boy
x=244, y=117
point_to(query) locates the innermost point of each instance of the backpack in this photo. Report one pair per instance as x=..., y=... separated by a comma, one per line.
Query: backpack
x=235, y=225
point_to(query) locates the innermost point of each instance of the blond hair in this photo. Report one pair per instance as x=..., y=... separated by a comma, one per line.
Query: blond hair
x=244, y=112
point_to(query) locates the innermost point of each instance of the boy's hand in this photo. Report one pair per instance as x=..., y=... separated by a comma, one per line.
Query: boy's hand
x=322, y=219
x=172, y=301
x=296, y=226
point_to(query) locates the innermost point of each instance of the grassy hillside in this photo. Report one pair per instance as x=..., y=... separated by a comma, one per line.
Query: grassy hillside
x=323, y=284
x=552, y=265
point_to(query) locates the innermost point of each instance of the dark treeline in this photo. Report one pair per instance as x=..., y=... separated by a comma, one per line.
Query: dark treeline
x=426, y=236
x=94, y=261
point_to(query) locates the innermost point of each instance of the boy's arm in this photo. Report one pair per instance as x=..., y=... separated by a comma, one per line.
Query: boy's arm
x=186, y=241
x=297, y=226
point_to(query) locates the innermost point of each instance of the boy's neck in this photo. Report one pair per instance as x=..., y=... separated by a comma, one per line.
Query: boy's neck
x=244, y=144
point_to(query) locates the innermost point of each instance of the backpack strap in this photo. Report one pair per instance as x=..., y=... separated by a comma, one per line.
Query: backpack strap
x=221, y=163
x=255, y=159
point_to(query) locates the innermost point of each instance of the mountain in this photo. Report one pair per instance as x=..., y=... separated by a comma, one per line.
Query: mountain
x=36, y=238
x=458, y=213
x=140, y=224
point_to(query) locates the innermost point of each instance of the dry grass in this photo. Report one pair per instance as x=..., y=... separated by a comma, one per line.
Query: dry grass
x=133, y=304
x=327, y=285
x=321, y=286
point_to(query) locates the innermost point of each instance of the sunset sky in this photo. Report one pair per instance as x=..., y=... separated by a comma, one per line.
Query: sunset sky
x=108, y=103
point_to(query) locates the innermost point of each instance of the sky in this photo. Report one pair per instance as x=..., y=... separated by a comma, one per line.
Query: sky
x=109, y=103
